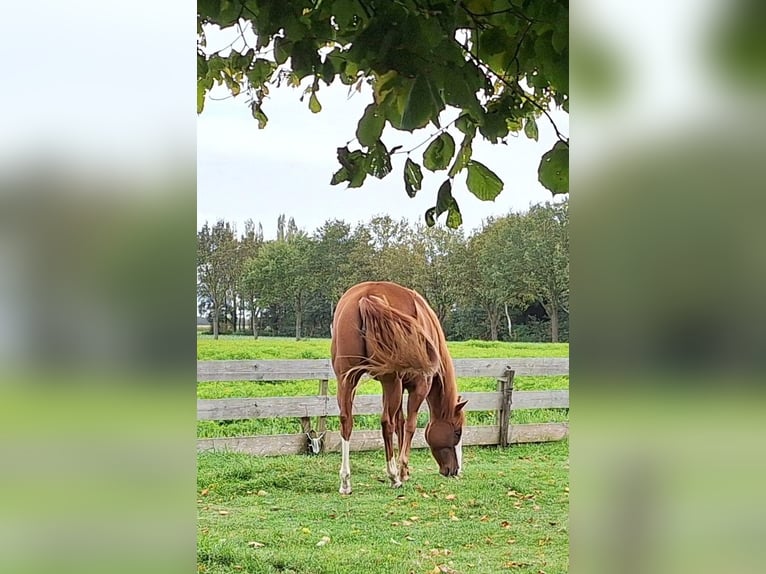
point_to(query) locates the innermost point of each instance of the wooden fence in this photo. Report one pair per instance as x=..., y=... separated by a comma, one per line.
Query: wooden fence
x=505, y=400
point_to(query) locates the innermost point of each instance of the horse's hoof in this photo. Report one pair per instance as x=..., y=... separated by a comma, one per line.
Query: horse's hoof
x=396, y=484
x=344, y=491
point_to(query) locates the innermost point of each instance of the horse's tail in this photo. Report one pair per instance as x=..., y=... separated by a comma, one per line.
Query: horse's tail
x=397, y=342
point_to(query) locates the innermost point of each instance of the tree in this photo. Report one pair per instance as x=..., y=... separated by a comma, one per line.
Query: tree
x=499, y=66
x=441, y=275
x=331, y=261
x=249, y=246
x=546, y=257
x=216, y=267
x=282, y=272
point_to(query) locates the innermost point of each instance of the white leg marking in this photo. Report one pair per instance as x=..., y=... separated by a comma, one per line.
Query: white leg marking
x=393, y=473
x=459, y=453
x=345, y=468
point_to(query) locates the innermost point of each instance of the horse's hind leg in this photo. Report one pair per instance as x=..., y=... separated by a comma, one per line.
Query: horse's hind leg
x=346, y=392
x=392, y=406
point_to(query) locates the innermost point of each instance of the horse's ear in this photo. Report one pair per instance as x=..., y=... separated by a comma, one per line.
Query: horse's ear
x=460, y=405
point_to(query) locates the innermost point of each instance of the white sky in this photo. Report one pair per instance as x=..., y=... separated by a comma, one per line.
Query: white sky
x=244, y=172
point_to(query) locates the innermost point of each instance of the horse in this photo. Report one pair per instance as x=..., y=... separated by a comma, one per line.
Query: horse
x=391, y=333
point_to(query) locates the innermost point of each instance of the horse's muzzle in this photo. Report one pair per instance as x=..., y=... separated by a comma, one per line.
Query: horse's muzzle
x=448, y=471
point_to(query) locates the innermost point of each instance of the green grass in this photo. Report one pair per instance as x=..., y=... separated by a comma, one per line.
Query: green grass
x=236, y=347
x=508, y=513
x=241, y=347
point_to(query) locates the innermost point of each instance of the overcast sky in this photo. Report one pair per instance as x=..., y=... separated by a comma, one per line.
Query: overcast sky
x=244, y=172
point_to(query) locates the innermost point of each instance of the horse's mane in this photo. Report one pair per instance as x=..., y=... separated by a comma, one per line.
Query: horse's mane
x=445, y=375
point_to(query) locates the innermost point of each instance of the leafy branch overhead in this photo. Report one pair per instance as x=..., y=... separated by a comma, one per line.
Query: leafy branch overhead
x=502, y=65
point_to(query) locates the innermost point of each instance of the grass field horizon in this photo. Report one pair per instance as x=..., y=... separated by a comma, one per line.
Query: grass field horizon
x=283, y=514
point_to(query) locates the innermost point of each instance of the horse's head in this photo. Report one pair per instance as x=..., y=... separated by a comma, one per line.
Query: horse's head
x=443, y=435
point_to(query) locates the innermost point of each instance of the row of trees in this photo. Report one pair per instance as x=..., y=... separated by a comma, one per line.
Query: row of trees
x=510, y=279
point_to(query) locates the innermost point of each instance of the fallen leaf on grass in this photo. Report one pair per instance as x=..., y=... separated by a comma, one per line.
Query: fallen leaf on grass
x=505, y=524
x=424, y=495
x=484, y=518
x=254, y=544
x=324, y=540
x=406, y=523
x=450, y=497
x=223, y=512
x=454, y=518
x=262, y=493
x=440, y=551
x=305, y=530
x=414, y=518
x=204, y=492
x=410, y=538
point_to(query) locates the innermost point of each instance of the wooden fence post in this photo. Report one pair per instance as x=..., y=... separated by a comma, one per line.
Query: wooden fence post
x=322, y=421
x=505, y=386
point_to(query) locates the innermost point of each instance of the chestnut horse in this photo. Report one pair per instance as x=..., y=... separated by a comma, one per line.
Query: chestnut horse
x=391, y=333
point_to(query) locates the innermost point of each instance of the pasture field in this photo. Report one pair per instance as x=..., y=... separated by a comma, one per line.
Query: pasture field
x=283, y=515
x=238, y=347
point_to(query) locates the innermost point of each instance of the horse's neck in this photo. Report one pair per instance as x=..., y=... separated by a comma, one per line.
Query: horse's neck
x=442, y=397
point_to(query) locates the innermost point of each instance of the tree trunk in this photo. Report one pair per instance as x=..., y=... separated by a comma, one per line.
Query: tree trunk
x=510, y=325
x=332, y=315
x=215, y=320
x=494, y=322
x=253, y=327
x=298, y=313
x=554, y=323
x=234, y=315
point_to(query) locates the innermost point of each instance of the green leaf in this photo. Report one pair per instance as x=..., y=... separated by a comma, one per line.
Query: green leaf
x=438, y=155
x=445, y=202
x=483, y=182
x=416, y=105
x=327, y=72
x=430, y=217
x=258, y=114
x=454, y=217
x=340, y=176
x=466, y=125
x=261, y=72
x=553, y=171
x=413, y=177
x=370, y=127
x=314, y=104
x=463, y=156
x=201, y=66
x=282, y=48
x=444, y=197
x=378, y=161
x=530, y=128
x=200, y=96
x=356, y=165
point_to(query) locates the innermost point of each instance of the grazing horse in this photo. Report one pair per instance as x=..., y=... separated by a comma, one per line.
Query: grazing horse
x=391, y=333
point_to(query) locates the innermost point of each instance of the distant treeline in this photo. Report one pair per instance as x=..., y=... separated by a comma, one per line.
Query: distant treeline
x=509, y=280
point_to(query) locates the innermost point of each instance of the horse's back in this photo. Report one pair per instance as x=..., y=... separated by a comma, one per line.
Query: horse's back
x=348, y=348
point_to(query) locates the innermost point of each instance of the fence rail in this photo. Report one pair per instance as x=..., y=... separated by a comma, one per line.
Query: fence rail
x=504, y=401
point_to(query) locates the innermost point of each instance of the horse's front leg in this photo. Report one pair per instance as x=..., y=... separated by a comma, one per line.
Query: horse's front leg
x=415, y=398
x=392, y=404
